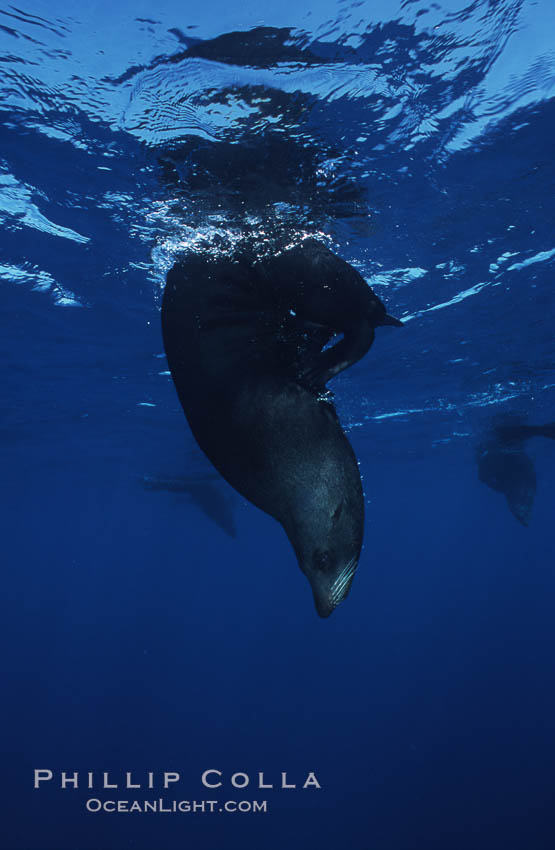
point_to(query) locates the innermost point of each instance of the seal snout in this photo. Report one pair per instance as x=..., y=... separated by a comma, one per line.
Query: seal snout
x=328, y=596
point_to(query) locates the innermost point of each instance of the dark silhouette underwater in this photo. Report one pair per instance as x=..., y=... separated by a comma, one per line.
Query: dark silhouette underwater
x=504, y=465
x=203, y=491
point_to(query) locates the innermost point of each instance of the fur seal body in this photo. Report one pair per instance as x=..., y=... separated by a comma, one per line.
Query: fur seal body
x=504, y=465
x=244, y=339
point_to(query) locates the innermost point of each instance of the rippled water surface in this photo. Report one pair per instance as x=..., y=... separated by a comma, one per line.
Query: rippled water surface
x=417, y=140
x=419, y=143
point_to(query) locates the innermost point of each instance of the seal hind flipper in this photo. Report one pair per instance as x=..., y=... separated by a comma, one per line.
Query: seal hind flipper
x=323, y=291
x=319, y=369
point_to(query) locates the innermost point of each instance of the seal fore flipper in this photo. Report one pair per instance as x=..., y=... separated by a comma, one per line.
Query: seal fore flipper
x=547, y=430
x=391, y=320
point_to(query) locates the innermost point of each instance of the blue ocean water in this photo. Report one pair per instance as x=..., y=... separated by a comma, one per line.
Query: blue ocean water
x=156, y=629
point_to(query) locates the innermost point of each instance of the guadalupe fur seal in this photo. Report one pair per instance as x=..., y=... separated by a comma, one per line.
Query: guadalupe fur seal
x=244, y=339
x=504, y=465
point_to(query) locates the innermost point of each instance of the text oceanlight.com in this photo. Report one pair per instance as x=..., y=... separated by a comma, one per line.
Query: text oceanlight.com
x=175, y=806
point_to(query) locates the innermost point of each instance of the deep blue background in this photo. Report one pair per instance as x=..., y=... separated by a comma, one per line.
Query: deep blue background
x=139, y=636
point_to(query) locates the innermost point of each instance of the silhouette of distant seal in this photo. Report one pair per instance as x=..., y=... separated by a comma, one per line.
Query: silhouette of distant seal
x=244, y=339
x=504, y=465
x=204, y=492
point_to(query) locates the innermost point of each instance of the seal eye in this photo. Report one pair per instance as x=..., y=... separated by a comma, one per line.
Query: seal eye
x=321, y=560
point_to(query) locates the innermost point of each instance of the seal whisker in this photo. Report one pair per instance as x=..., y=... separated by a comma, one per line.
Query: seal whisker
x=338, y=588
